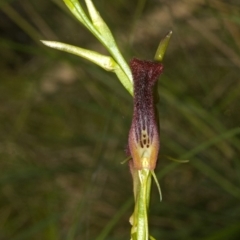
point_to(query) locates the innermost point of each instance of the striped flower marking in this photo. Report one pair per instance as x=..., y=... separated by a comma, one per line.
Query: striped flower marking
x=143, y=140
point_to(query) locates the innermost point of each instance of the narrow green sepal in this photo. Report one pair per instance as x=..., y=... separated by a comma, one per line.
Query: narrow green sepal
x=158, y=184
x=177, y=160
x=125, y=160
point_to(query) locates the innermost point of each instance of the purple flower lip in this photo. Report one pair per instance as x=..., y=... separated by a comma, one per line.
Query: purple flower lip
x=143, y=140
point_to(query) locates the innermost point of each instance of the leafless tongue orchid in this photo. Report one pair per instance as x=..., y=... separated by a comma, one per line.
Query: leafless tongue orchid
x=143, y=140
x=139, y=80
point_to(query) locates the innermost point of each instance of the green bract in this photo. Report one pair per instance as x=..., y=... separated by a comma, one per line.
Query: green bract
x=162, y=47
x=100, y=30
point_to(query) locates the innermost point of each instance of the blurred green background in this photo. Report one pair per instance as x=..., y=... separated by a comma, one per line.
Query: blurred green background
x=64, y=122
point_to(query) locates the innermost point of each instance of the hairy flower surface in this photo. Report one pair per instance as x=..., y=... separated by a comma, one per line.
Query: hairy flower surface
x=143, y=140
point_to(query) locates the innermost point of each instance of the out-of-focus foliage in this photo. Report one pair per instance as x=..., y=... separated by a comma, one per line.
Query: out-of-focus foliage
x=64, y=122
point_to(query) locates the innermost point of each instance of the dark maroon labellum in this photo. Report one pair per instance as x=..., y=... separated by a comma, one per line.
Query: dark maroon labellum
x=143, y=140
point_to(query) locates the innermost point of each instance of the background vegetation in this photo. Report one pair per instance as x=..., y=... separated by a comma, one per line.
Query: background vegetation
x=64, y=122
